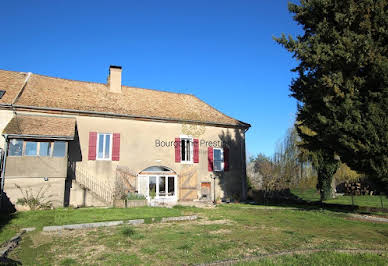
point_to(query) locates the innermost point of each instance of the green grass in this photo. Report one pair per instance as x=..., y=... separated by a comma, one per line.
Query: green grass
x=322, y=258
x=309, y=194
x=225, y=232
x=312, y=195
x=63, y=216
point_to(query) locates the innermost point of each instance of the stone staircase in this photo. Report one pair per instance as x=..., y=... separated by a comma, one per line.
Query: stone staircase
x=103, y=191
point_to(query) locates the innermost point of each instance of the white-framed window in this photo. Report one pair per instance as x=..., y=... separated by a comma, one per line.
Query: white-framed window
x=186, y=149
x=104, y=146
x=162, y=186
x=218, y=159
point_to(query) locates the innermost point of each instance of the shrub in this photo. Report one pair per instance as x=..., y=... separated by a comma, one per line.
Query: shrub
x=135, y=196
x=35, y=202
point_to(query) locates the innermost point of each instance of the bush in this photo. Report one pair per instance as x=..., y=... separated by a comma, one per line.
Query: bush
x=35, y=202
x=135, y=196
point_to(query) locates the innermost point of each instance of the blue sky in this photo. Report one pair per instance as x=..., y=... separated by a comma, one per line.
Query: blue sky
x=221, y=51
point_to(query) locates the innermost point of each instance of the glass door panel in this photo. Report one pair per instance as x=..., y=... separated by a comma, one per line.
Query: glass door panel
x=171, y=186
x=152, y=186
x=162, y=186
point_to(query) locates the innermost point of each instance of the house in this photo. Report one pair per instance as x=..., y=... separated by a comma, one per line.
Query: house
x=87, y=143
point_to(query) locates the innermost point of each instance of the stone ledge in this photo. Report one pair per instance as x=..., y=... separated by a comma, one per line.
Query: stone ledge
x=115, y=223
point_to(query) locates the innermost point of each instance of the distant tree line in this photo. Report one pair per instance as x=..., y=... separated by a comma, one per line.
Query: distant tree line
x=291, y=166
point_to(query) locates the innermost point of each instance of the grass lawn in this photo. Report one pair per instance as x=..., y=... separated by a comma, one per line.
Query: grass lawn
x=225, y=232
x=367, y=201
x=9, y=226
x=322, y=258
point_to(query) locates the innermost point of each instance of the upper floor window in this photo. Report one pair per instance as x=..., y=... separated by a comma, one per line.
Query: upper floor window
x=19, y=147
x=218, y=159
x=59, y=149
x=31, y=148
x=104, y=146
x=15, y=147
x=187, y=149
x=45, y=149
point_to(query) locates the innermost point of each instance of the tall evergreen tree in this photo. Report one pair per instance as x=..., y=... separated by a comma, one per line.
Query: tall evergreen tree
x=342, y=82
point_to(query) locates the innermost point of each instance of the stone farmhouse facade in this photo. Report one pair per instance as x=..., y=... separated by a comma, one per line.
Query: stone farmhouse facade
x=86, y=143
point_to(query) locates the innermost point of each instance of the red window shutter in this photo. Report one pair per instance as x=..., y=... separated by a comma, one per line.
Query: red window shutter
x=116, y=147
x=226, y=159
x=196, y=151
x=92, y=145
x=177, y=150
x=210, y=159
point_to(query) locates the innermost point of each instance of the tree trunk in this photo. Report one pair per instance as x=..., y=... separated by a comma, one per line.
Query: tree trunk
x=326, y=170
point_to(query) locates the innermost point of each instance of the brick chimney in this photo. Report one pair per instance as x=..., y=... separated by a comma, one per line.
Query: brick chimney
x=114, y=79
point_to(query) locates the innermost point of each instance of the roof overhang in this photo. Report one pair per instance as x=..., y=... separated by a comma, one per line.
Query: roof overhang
x=40, y=127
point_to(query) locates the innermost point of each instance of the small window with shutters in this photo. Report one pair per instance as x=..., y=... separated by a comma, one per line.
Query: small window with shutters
x=187, y=149
x=218, y=160
x=104, y=146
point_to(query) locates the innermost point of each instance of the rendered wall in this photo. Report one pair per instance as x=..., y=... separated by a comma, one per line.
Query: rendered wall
x=5, y=117
x=142, y=144
x=35, y=166
x=145, y=144
x=54, y=187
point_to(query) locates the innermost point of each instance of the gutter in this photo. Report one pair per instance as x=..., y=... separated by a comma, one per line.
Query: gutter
x=25, y=136
x=152, y=118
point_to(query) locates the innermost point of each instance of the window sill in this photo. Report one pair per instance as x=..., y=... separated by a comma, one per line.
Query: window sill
x=184, y=162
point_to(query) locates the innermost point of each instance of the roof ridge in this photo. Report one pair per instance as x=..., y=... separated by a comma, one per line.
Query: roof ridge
x=99, y=83
x=219, y=110
x=214, y=116
x=172, y=92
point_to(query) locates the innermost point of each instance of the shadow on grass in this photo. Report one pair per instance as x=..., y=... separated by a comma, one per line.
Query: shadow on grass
x=285, y=198
x=7, y=211
x=7, y=261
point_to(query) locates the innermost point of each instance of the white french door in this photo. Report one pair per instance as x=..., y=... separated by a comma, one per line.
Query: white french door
x=159, y=186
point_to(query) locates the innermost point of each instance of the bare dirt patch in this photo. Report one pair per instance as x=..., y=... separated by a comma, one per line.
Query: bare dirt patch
x=221, y=232
x=207, y=221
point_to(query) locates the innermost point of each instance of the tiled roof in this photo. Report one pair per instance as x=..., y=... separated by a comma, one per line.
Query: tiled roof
x=11, y=82
x=50, y=126
x=43, y=91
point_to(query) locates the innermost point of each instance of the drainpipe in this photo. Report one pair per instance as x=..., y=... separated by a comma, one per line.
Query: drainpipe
x=3, y=170
x=214, y=187
x=244, y=169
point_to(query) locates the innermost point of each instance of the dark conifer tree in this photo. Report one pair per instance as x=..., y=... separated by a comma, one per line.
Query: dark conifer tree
x=342, y=82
